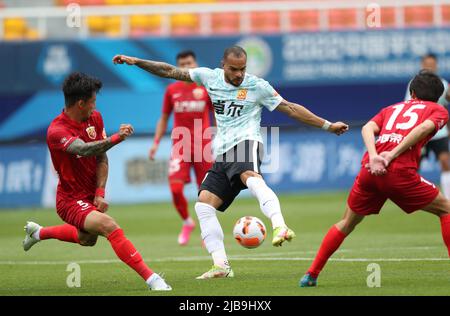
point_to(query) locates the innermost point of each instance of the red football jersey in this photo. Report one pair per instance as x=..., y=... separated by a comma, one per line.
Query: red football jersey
x=188, y=101
x=77, y=175
x=398, y=120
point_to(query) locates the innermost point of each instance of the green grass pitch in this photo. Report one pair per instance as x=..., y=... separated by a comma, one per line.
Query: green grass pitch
x=408, y=248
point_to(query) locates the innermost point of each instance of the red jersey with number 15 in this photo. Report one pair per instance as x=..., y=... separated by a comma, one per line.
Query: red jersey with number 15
x=188, y=101
x=397, y=121
x=77, y=175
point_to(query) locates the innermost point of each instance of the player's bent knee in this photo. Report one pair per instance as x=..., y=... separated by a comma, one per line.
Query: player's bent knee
x=108, y=225
x=88, y=242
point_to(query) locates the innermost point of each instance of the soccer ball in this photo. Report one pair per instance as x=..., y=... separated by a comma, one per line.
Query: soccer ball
x=249, y=232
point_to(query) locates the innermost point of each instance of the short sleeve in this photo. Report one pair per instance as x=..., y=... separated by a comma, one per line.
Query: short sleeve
x=60, y=138
x=167, y=103
x=439, y=116
x=379, y=118
x=269, y=96
x=201, y=75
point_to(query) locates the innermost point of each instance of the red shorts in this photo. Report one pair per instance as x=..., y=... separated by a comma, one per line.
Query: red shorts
x=74, y=212
x=404, y=187
x=181, y=170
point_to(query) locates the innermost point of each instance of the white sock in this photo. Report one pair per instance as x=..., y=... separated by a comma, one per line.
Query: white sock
x=445, y=183
x=268, y=201
x=188, y=221
x=212, y=233
x=36, y=234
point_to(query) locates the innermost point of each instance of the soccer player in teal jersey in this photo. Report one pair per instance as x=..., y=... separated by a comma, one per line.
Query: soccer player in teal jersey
x=238, y=99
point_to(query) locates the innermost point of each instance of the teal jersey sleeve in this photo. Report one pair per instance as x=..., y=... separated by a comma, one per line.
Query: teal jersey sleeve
x=269, y=97
x=201, y=75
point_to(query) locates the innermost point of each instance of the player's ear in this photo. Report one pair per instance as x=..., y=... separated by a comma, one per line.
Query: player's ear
x=80, y=104
x=223, y=63
x=413, y=94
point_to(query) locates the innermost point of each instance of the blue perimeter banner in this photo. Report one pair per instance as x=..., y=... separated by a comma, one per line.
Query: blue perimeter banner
x=299, y=162
x=345, y=76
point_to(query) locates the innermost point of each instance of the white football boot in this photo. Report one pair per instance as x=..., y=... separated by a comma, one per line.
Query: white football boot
x=156, y=283
x=30, y=228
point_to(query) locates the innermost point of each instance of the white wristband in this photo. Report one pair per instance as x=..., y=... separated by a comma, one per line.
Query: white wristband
x=326, y=125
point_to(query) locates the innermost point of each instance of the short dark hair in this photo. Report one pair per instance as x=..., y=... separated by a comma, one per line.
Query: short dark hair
x=79, y=86
x=430, y=55
x=237, y=51
x=427, y=86
x=186, y=53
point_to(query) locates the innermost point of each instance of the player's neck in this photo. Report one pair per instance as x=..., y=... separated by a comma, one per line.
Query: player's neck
x=73, y=114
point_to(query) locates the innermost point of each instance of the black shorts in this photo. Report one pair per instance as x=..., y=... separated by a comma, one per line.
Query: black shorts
x=438, y=146
x=223, y=179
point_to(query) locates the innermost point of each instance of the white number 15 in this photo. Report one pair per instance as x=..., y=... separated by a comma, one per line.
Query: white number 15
x=413, y=117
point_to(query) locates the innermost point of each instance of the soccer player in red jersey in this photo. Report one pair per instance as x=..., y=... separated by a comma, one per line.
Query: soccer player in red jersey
x=390, y=165
x=78, y=143
x=191, y=106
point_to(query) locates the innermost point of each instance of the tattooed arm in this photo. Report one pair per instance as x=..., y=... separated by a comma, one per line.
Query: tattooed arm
x=157, y=68
x=302, y=114
x=79, y=147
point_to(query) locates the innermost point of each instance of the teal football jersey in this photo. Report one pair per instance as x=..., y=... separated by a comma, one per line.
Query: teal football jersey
x=237, y=109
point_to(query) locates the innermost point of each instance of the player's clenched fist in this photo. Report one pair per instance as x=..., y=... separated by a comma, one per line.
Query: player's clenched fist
x=125, y=131
x=123, y=59
x=338, y=128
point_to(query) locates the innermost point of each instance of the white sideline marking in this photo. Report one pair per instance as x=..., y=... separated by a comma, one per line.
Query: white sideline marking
x=204, y=258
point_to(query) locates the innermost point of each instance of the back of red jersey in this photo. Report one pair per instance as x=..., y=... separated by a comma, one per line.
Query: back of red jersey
x=398, y=120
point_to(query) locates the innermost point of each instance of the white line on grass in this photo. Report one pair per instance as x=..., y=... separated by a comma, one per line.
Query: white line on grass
x=204, y=258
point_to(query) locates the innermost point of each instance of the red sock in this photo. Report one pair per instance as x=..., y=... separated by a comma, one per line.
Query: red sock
x=64, y=232
x=445, y=229
x=125, y=250
x=179, y=200
x=331, y=242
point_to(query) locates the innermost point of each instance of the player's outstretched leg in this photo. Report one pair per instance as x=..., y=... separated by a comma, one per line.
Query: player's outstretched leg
x=441, y=207
x=212, y=235
x=181, y=205
x=35, y=233
x=102, y=224
x=331, y=242
x=270, y=206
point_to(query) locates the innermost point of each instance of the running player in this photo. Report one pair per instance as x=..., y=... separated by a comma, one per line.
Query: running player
x=389, y=167
x=78, y=143
x=238, y=99
x=191, y=106
x=439, y=143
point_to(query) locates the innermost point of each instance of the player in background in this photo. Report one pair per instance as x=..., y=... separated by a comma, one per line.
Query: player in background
x=78, y=143
x=238, y=99
x=390, y=167
x=439, y=143
x=191, y=105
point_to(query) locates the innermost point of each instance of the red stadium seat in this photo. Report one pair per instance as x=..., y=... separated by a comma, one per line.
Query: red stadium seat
x=419, y=16
x=342, y=19
x=225, y=23
x=446, y=14
x=265, y=22
x=304, y=20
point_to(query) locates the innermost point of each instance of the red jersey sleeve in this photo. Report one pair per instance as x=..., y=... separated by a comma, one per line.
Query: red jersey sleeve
x=59, y=138
x=167, y=103
x=379, y=118
x=439, y=116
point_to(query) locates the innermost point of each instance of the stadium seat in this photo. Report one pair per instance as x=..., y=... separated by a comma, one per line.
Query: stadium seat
x=141, y=25
x=419, y=16
x=225, y=23
x=96, y=24
x=339, y=19
x=304, y=20
x=113, y=26
x=446, y=14
x=184, y=24
x=14, y=28
x=265, y=22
